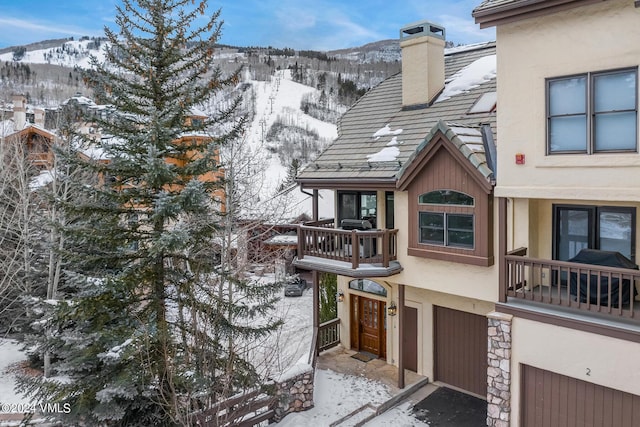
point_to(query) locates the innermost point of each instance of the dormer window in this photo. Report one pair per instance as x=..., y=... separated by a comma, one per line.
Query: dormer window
x=443, y=227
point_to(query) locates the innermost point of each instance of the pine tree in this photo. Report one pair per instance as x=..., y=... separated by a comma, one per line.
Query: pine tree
x=151, y=335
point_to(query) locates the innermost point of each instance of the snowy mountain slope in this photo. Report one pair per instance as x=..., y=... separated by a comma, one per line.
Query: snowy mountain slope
x=280, y=97
x=69, y=54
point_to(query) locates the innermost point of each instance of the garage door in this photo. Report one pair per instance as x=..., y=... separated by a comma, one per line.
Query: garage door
x=554, y=400
x=460, y=347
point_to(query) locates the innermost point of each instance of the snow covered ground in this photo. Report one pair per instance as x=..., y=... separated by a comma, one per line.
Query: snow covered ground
x=73, y=53
x=10, y=356
x=336, y=395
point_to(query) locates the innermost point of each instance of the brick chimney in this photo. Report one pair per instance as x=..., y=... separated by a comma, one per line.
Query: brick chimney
x=19, y=111
x=422, y=47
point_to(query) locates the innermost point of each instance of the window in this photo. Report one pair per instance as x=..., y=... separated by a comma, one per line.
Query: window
x=389, y=216
x=446, y=197
x=366, y=285
x=593, y=112
x=594, y=227
x=446, y=229
x=357, y=205
x=486, y=103
x=443, y=227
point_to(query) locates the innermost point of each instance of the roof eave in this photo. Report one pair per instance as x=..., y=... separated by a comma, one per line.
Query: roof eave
x=516, y=11
x=348, y=183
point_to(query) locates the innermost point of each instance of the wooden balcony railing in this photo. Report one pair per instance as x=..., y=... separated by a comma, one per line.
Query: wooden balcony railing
x=328, y=335
x=352, y=246
x=584, y=287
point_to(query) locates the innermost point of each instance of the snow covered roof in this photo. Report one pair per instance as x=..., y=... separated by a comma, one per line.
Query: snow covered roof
x=283, y=239
x=196, y=112
x=378, y=136
x=467, y=139
x=80, y=99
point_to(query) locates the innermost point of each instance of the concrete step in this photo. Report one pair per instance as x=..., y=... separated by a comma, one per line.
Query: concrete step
x=356, y=418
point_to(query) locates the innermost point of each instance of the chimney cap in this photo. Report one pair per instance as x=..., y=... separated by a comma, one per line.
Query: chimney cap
x=422, y=28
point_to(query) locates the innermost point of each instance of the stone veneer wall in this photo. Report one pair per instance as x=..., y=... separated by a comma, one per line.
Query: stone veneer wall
x=499, y=370
x=294, y=394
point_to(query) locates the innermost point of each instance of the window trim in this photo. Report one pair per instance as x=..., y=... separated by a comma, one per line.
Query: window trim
x=589, y=113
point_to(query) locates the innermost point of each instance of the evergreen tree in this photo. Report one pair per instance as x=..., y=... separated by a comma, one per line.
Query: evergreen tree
x=151, y=334
x=328, y=294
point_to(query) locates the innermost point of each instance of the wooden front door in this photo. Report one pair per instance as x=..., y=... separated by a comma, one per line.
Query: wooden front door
x=368, y=325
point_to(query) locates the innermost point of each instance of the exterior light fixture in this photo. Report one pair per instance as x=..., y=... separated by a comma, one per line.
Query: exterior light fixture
x=392, y=310
x=340, y=296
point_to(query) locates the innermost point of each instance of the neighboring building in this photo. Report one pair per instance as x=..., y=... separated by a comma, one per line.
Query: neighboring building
x=410, y=165
x=565, y=337
x=37, y=140
x=26, y=125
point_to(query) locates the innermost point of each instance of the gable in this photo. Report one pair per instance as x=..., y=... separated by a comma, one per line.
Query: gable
x=35, y=130
x=441, y=162
x=444, y=172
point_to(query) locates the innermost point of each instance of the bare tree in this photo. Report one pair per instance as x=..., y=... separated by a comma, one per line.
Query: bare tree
x=20, y=233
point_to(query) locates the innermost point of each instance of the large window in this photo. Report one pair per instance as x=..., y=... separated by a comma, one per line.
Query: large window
x=606, y=228
x=446, y=227
x=593, y=112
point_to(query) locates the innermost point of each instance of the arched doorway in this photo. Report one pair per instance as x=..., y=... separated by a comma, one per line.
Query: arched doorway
x=368, y=318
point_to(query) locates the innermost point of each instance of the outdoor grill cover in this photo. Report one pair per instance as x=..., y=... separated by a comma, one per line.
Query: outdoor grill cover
x=608, y=259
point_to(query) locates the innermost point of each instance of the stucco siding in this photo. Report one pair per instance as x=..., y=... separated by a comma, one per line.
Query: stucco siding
x=597, y=37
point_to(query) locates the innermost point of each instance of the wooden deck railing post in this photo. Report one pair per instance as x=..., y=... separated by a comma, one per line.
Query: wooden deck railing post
x=385, y=248
x=355, y=250
x=301, y=239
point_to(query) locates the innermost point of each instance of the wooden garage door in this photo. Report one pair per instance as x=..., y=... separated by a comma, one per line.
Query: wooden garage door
x=460, y=349
x=554, y=400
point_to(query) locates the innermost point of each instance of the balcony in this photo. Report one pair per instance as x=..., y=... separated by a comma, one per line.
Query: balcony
x=353, y=253
x=598, y=294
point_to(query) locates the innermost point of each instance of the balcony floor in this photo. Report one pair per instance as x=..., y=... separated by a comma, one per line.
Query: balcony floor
x=346, y=268
x=598, y=315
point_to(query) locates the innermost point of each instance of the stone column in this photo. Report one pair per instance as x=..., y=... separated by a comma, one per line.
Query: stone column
x=499, y=370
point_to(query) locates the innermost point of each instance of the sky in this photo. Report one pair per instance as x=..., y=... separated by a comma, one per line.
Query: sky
x=299, y=24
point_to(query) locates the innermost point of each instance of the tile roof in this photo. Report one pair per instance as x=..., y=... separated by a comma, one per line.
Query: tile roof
x=488, y=4
x=346, y=158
